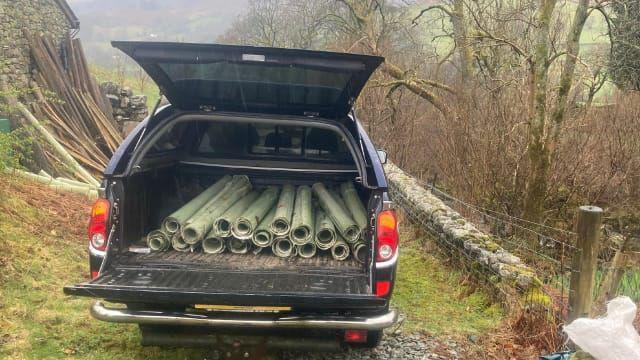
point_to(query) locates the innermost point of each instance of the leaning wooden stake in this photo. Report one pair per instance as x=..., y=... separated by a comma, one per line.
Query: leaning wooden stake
x=585, y=262
x=60, y=150
x=613, y=275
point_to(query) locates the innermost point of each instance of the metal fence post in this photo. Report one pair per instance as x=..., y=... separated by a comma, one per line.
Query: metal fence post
x=585, y=261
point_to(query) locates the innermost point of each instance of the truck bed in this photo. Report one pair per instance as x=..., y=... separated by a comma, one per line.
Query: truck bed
x=263, y=262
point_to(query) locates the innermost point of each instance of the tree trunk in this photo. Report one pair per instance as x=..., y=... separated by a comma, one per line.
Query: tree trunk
x=462, y=41
x=537, y=148
x=566, y=77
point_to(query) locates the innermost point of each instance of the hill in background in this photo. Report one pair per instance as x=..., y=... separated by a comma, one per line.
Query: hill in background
x=155, y=20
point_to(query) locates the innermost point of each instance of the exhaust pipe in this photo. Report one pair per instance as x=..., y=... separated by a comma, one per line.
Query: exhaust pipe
x=307, y=250
x=282, y=247
x=213, y=245
x=238, y=246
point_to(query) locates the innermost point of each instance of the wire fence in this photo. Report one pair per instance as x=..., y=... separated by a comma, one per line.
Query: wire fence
x=548, y=250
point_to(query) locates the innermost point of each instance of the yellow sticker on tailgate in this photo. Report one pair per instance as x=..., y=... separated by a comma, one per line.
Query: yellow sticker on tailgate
x=242, y=308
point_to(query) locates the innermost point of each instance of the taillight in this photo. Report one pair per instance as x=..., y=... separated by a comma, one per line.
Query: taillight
x=387, y=231
x=355, y=336
x=98, y=224
x=383, y=288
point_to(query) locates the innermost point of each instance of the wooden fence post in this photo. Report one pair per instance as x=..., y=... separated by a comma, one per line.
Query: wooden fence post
x=585, y=261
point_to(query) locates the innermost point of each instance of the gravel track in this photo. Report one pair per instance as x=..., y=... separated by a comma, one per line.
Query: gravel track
x=394, y=345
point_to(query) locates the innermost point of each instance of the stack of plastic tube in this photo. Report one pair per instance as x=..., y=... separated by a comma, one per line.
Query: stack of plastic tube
x=232, y=216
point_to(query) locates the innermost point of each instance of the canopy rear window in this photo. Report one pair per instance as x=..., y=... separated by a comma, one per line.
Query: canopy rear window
x=252, y=85
x=254, y=79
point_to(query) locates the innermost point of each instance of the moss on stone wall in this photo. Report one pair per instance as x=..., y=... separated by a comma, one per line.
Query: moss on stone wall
x=451, y=230
x=42, y=17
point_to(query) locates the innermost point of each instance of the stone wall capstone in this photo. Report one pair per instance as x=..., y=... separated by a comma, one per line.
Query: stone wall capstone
x=450, y=228
x=21, y=17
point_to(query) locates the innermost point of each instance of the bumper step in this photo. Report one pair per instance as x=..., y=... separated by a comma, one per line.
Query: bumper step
x=227, y=320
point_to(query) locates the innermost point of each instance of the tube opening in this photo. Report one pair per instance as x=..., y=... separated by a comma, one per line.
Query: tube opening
x=156, y=243
x=243, y=227
x=280, y=226
x=300, y=233
x=172, y=226
x=262, y=239
x=212, y=245
x=284, y=246
x=189, y=234
x=238, y=245
x=223, y=225
x=325, y=236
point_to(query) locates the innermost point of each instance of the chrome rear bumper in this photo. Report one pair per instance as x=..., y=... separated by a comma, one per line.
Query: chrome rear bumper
x=226, y=320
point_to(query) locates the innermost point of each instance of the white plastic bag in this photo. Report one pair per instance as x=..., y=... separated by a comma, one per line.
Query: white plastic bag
x=611, y=337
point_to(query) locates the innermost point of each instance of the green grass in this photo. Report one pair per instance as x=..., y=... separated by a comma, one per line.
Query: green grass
x=432, y=297
x=37, y=321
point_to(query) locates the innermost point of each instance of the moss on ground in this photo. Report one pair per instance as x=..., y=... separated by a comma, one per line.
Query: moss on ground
x=42, y=248
x=436, y=298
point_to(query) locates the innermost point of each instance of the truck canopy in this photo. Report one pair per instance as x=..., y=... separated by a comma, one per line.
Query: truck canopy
x=254, y=79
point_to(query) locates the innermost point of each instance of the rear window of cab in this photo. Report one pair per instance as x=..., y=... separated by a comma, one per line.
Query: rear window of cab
x=236, y=140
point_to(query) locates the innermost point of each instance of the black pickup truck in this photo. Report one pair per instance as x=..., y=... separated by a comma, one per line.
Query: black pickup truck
x=278, y=116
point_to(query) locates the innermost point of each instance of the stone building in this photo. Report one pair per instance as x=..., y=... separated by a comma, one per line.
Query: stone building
x=17, y=17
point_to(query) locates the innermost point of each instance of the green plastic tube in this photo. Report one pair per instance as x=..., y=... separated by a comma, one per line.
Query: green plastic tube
x=325, y=236
x=223, y=223
x=213, y=244
x=173, y=222
x=338, y=214
x=246, y=224
x=307, y=250
x=340, y=251
x=262, y=237
x=282, y=247
x=359, y=251
x=353, y=203
x=158, y=240
x=197, y=227
x=178, y=243
x=281, y=223
x=302, y=222
x=238, y=246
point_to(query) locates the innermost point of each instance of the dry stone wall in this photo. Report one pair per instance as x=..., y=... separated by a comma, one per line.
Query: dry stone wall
x=128, y=109
x=452, y=230
x=18, y=17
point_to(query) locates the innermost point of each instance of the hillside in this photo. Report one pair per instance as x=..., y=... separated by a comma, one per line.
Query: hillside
x=167, y=20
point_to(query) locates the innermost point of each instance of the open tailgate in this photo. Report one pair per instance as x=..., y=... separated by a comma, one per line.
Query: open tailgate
x=189, y=287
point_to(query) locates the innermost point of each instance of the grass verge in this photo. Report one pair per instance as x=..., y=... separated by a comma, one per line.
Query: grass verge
x=436, y=298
